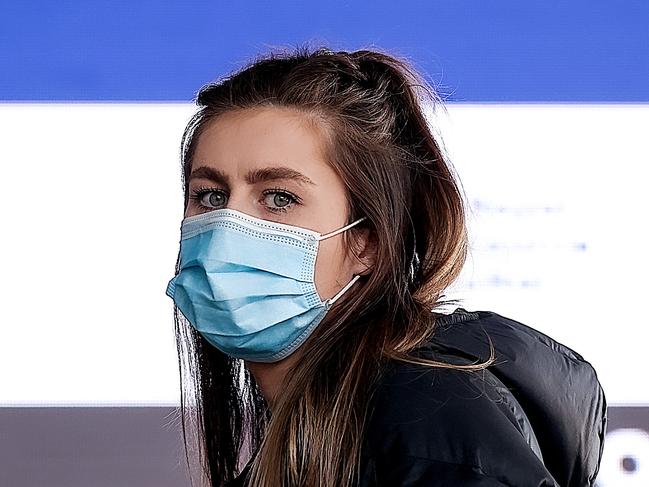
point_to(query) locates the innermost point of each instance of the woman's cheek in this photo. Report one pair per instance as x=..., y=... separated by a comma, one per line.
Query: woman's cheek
x=328, y=269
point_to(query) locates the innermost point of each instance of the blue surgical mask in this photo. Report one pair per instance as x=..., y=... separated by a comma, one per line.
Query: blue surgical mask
x=248, y=285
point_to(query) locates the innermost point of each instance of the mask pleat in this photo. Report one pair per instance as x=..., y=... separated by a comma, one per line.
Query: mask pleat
x=218, y=248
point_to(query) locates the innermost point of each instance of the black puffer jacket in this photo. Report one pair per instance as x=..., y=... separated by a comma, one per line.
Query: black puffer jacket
x=535, y=418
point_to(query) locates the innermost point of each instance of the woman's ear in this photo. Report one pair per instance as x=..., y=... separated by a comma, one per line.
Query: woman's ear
x=364, y=249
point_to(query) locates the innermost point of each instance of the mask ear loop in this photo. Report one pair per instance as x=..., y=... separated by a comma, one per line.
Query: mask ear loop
x=414, y=262
x=333, y=299
x=335, y=232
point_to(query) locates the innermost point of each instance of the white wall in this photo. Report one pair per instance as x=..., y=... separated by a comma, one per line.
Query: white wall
x=92, y=202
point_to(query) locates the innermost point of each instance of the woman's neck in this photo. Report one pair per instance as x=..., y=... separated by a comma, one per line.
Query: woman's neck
x=270, y=376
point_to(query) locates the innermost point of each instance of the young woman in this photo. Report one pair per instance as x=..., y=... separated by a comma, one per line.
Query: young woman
x=322, y=226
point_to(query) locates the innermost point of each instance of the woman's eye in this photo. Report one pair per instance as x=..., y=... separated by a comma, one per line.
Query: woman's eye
x=207, y=198
x=277, y=201
x=214, y=199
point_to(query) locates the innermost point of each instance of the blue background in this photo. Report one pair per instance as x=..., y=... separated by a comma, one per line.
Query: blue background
x=472, y=51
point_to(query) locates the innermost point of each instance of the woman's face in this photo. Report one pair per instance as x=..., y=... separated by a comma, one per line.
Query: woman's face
x=265, y=163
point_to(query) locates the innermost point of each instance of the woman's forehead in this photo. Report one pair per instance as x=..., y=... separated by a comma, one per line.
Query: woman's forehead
x=241, y=142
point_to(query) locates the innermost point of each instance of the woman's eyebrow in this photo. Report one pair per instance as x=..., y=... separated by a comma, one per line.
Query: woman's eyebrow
x=254, y=176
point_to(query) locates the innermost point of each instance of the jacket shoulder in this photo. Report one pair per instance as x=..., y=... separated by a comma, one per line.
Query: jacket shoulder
x=449, y=424
x=559, y=390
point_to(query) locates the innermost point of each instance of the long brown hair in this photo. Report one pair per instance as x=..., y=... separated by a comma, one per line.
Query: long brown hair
x=367, y=106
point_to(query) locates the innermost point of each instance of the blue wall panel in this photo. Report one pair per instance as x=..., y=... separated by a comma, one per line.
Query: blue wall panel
x=474, y=51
